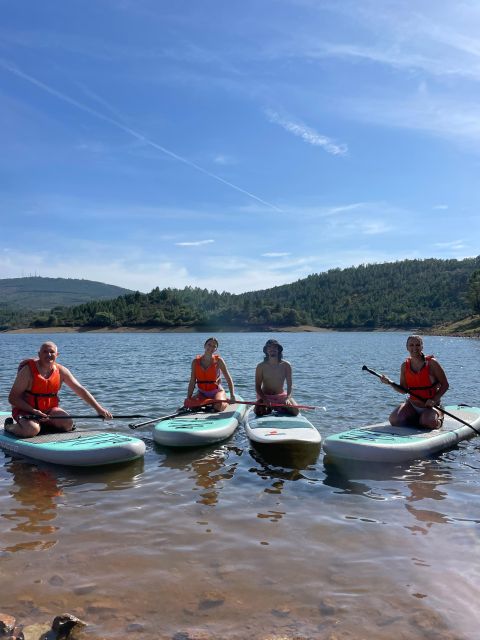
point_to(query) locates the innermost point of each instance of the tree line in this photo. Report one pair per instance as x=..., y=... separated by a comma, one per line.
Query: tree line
x=403, y=294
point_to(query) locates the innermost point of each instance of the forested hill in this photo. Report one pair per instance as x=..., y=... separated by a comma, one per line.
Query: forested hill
x=35, y=292
x=406, y=294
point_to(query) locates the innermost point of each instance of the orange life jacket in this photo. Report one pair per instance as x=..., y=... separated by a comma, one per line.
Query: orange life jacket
x=420, y=382
x=44, y=392
x=207, y=379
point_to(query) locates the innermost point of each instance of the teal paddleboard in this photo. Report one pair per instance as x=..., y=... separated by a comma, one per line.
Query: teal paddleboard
x=79, y=448
x=384, y=443
x=198, y=428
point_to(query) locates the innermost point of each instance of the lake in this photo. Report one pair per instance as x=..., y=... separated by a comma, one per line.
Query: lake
x=217, y=542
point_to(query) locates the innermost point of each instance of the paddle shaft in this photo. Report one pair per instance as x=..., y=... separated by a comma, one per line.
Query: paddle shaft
x=277, y=404
x=182, y=411
x=399, y=386
x=35, y=417
x=263, y=404
x=144, y=424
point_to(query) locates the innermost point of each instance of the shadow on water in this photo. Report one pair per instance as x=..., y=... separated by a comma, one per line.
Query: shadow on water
x=287, y=456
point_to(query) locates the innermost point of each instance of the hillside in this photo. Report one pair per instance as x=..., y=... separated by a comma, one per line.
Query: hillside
x=467, y=327
x=37, y=293
x=408, y=294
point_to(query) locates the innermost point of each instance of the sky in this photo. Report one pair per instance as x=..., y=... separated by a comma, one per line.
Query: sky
x=236, y=145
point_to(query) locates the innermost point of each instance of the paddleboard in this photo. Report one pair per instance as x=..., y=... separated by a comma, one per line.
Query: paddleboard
x=198, y=428
x=280, y=428
x=384, y=443
x=79, y=448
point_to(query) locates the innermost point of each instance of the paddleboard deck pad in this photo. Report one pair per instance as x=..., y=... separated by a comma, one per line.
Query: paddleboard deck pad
x=384, y=443
x=198, y=428
x=79, y=448
x=280, y=428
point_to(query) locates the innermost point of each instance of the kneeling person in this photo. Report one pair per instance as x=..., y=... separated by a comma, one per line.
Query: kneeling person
x=270, y=377
x=35, y=393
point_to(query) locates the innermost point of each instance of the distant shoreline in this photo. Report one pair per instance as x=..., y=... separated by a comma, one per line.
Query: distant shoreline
x=52, y=330
x=300, y=329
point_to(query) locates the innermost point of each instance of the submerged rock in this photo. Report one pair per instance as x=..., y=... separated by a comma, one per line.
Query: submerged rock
x=7, y=624
x=67, y=626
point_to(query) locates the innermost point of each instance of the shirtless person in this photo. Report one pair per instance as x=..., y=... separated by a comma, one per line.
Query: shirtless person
x=270, y=378
x=35, y=393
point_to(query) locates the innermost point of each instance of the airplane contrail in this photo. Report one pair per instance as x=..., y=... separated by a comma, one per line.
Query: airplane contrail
x=139, y=136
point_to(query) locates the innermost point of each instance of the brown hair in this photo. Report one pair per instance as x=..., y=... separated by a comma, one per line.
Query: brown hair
x=277, y=344
x=208, y=340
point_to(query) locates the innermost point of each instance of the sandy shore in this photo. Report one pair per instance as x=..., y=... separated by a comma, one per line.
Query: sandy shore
x=53, y=330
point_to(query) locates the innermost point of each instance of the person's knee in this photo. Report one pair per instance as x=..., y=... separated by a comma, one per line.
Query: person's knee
x=27, y=430
x=393, y=418
x=430, y=420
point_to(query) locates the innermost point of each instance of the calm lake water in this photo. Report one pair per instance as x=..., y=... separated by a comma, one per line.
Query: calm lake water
x=219, y=543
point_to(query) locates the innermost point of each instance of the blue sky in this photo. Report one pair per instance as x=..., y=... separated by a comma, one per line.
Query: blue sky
x=236, y=145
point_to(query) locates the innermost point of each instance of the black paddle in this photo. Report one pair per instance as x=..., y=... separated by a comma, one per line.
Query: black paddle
x=35, y=417
x=399, y=386
x=180, y=412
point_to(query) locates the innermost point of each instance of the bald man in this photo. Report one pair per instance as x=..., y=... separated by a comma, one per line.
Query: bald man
x=35, y=393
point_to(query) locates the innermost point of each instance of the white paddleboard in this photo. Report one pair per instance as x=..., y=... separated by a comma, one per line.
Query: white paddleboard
x=384, y=443
x=198, y=428
x=79, y=448
x=280, y=428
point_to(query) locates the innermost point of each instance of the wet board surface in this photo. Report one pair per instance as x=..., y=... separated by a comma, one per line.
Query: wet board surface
x=198, y=428
x=279, y=428
x=80, y=448
x=384, y=443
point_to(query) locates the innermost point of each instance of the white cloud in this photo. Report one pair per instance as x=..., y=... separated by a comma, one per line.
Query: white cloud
x=456, y=245
x=223, y=159
x=275, y=255
x=195, y=243
x=307, y=134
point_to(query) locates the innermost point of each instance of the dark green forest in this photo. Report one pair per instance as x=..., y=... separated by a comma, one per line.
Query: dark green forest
x=404, y=294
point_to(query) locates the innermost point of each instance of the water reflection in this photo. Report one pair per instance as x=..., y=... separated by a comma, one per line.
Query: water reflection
x=35, y=492
x=37, y=489
x=211, y=470
x=276, y=473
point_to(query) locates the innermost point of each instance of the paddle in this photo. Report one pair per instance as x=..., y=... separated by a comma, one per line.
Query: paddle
x=275, y=404
x=398, y=386
x=35, y=417
x=180, y=412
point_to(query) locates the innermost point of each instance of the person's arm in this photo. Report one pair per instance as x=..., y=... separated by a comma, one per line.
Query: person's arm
x=438, y=372
x=192, y=382
x=15, y=397
x=223, y=368
x=82, y=393
x=288, y=380
x=394, y=385
x=259, y=381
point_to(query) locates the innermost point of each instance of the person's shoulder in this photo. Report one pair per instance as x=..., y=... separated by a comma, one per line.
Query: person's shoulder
x=23, y=370
x=62, y=369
